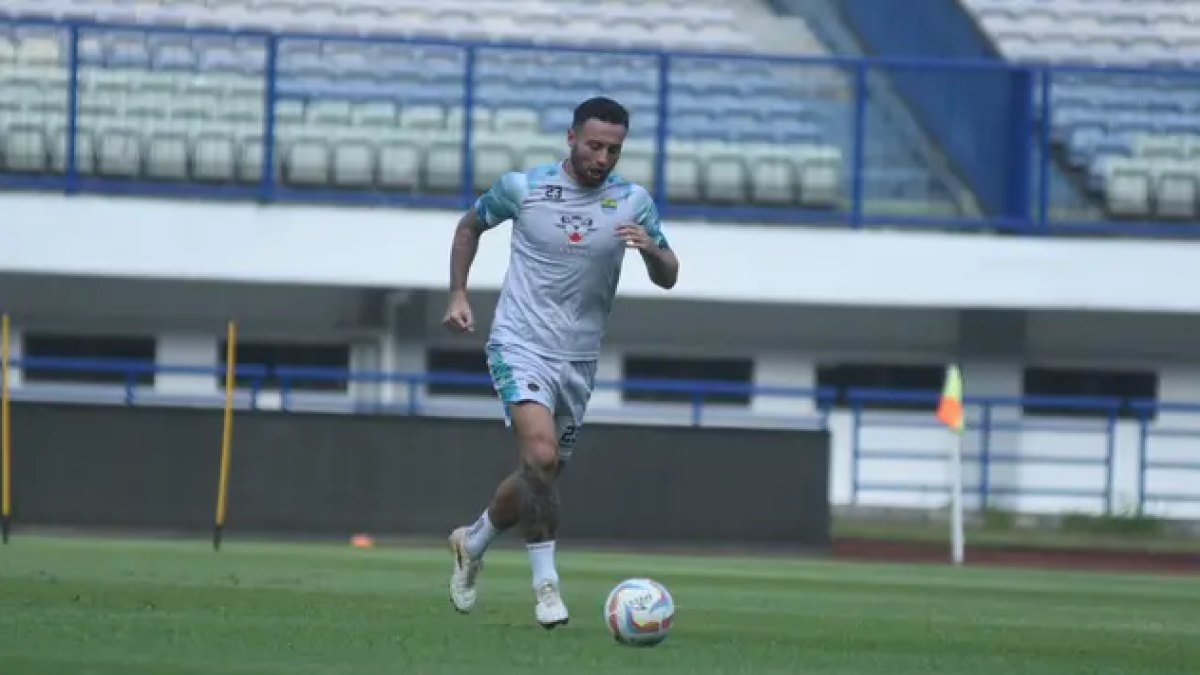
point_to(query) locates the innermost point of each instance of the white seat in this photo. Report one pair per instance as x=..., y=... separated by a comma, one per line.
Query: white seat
x=248, y=161
x=24, y=149
x=329, y=113
x=443, y=167
x=683, y=173
x=214, y=158
x=306, y=162
x=725, y=179
x=637, y=165
x=423, y=117
x=492, y=158
x=374, y=113
x=481, y=119
x=773, y=183
x=167, y=157
x=821, y=180
x=664, y=24
x=1127, y=187
x=353, y=163
x=205, y=126
x=1176, y=189
x=539, y=152
x=518, y=119
x=289, y=113
x=119, y=154
x=399, y=166
x=85, y=150
x=38, y=51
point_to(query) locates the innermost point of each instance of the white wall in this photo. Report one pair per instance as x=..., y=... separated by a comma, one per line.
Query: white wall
x=14, y=353
x=187, y=349
x=900, y=449
x=394, y=247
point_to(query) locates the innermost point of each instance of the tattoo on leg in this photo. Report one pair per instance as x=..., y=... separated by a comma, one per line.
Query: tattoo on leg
x=539, y=504
x=505, y=510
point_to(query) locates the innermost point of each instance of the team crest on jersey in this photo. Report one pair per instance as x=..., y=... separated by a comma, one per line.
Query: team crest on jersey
x=576, y=226
x=608, y=205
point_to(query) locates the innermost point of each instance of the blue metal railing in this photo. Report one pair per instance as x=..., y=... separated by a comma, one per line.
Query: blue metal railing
x=288, y=382
x=996, y=443
x=1168, y=464
x=1124, y=454
x=801, y=103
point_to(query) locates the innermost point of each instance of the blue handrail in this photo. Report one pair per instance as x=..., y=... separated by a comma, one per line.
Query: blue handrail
x=286, y=377
x=866, y=197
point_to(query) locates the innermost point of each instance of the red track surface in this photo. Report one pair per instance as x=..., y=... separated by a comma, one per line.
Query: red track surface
x=1013, y=556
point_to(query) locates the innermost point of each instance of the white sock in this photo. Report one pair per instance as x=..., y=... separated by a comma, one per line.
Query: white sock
x=541, y=558
x=480, y=536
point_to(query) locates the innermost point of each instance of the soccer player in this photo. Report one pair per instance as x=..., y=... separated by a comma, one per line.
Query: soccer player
x=573, y=222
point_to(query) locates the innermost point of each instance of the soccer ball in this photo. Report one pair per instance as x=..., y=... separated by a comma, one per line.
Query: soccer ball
x=639, y=612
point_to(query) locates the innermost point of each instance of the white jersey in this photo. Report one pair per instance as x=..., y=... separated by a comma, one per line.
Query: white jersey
x=566, y=259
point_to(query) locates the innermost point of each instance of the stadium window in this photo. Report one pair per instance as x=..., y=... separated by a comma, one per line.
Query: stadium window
x=1084, y=382
x=901, y=377
x=458, y=362
x=734, y=371
x=49, y=346
x=295, y=355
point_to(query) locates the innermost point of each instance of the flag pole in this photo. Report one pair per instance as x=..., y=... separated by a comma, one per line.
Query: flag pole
x=956, y=504
x=950, y=413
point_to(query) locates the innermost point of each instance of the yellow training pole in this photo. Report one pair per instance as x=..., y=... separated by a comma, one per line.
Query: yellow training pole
x=227, y=435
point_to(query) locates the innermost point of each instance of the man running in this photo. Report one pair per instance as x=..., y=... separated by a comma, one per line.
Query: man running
x=572, y=224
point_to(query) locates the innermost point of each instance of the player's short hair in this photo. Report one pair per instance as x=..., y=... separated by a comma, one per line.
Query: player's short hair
x=602, y=109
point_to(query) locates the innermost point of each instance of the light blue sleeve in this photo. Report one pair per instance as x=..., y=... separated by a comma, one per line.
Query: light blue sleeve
x=646, y=214
x=503, y=200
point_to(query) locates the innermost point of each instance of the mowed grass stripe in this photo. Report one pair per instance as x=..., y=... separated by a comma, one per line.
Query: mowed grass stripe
x=192, y=562
x=175, y=608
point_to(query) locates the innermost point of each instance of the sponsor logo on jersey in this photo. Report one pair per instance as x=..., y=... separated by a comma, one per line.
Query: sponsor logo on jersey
x=577, y=227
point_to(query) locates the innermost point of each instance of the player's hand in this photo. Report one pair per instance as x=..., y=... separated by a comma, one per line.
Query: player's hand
x=635, y=236
x=459, y=318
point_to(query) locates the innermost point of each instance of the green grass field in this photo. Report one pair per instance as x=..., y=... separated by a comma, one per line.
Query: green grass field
x=82, y=606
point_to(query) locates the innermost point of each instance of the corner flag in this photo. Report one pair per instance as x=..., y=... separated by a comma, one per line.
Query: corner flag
x=950, y=406
x=950, y=413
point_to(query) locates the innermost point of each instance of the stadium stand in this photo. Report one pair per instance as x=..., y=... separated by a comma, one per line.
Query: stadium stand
x=387, y=115
x=1134, y=136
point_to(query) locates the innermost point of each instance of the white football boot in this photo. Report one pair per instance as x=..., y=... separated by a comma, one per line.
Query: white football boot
x=466, y=572
x=551, y=611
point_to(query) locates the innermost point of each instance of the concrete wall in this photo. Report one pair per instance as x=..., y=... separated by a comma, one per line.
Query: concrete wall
x=137, y=468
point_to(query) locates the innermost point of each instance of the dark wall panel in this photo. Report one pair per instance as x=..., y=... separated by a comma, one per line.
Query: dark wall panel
x=336, y=474
x=114, y=467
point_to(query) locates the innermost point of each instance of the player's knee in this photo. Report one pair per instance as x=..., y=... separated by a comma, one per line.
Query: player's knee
x=539, y=457
x=537, y=440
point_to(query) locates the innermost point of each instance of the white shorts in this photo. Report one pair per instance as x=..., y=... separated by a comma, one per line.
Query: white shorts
x=563, y=387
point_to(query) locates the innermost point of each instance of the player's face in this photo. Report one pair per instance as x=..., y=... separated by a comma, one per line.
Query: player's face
x=595, y=149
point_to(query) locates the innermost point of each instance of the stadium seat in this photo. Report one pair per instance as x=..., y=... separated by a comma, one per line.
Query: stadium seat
x=1131, y=134
x=386, y=115
x=707, y=26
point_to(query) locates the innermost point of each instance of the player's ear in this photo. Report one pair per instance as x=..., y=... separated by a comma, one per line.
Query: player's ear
x=571, y=135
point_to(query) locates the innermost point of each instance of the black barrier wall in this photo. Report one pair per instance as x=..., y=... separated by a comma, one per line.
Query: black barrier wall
x=138, y=468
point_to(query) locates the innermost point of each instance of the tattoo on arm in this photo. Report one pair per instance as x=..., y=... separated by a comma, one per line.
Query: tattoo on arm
x=462, y=251
x=539, y=504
